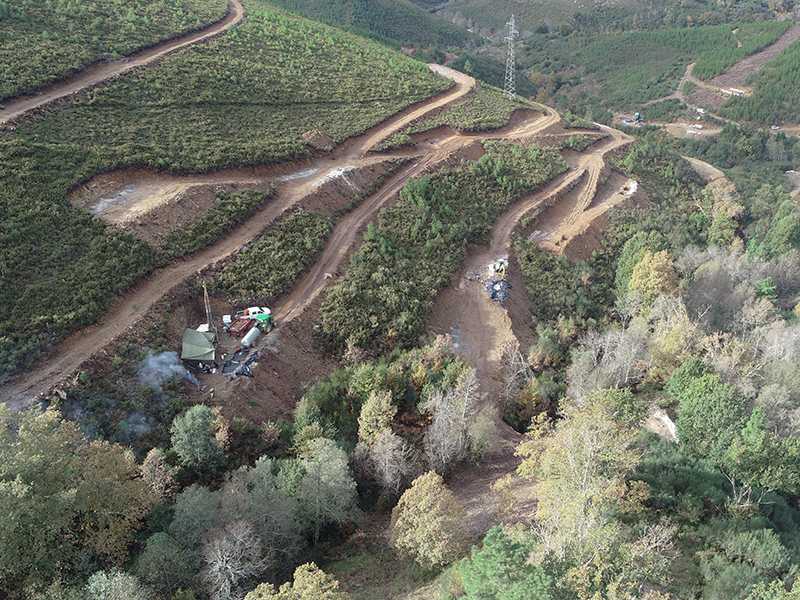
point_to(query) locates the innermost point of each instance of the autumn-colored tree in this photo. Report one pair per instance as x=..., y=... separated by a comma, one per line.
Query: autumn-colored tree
x=726, y=208
x=652, y=276
x=64, y=502
x=159, y=474
x=427, y=523
x=376, y=416
x=674, y=334
x=580, y=465
x=310, y=583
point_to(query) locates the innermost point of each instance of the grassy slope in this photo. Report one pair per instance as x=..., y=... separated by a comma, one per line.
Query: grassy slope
x=245, y=98
x=395, y=19
x=45, y=41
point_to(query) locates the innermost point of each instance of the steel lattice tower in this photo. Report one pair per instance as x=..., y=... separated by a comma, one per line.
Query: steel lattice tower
x=510, y=89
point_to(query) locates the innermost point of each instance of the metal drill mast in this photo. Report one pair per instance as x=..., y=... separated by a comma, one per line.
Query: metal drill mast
x=510, y=86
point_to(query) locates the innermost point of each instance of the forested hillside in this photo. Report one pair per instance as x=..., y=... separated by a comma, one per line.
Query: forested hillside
x=626, y=427
x=243, y=99
x=625, y=71
x=563, y=17
x=398, y=20
x=42, y=42
x=776, y=95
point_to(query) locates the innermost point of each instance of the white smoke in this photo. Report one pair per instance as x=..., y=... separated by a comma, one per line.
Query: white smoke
x=157, y=369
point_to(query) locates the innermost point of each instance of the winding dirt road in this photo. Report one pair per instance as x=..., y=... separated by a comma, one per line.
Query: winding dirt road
x=26, y=388
x=131, y=307
x=104, y=71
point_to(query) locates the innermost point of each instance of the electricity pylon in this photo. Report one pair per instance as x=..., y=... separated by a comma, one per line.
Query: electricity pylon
x=510, y=89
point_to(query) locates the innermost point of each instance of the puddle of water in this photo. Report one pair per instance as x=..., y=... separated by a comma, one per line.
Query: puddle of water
x=120, y=197
x=299, y=174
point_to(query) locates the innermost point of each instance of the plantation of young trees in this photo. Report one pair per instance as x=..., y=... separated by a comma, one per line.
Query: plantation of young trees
x=242, y=99
x=42, y=42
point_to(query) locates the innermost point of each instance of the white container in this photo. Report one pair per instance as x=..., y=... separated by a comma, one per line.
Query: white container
x=252, y=336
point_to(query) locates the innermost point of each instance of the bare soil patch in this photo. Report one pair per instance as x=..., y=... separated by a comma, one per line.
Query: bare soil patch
x=705, y=170
x=687, y=130
x=149, y=206
x=737, y=74
x=793, y=177
x=318, y=140
x=710, y=98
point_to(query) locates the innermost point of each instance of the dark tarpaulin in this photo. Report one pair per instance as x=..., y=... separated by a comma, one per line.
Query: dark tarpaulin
x=498, y=290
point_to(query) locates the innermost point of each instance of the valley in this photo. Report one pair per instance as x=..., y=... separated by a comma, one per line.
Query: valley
x=631, y=386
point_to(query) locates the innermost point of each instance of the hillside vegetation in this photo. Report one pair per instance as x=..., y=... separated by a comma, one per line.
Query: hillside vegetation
x=776, y=92
x=564, y=17
x=42, y=41
x=626, y=70
x=398, y=20
x=382, y=302
x=243, y=99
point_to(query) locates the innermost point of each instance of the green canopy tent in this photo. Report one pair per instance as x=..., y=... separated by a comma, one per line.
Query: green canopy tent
x=198, y=345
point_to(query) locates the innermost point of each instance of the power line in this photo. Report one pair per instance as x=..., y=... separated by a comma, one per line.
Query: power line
x=510, y=88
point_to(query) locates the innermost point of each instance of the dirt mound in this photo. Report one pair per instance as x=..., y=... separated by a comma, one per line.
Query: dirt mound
x=318, y=140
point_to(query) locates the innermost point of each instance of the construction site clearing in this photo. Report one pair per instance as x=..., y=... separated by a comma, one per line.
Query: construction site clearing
x=239, y=333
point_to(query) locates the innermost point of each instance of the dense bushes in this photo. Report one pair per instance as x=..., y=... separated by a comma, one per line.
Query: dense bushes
x=270, y=266
x=395, y=20
x=228, y=211
x=486, y=108
x=560, y=288
x=383, y=299
x=42, y=42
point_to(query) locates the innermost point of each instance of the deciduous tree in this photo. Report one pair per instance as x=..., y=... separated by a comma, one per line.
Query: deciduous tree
x=194, y=439
x=115, y=585
x=231, y=557
x=376, y=416
x=310, y=583
x=327, y=492
x=427, y=523
x=652, y=276
x=580, y=465
x=64, y=502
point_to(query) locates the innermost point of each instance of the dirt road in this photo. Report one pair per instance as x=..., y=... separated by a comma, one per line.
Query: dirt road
x=105, y=71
